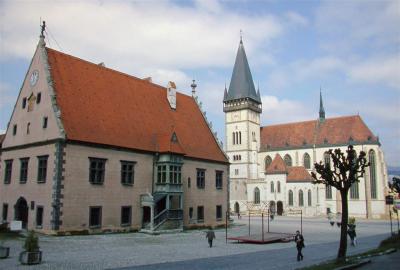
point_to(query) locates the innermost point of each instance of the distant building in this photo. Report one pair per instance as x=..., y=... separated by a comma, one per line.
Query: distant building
x=91, y=148
x=270, y=165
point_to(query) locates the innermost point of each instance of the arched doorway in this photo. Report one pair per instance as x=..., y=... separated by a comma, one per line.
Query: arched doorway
x=272, y=208
x=237, y=207
x=21, y=211
x=279, y=206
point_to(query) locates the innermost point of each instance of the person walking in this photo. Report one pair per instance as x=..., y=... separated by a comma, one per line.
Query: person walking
x=210, y=236
x=351, y=231
x=299, y=239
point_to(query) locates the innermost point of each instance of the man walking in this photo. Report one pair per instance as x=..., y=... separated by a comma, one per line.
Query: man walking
x=299, y=239
x=210, y=236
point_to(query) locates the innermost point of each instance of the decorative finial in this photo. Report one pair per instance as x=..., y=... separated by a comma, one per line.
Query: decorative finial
x=43, y=29
x=241, y=34
x=193, y=85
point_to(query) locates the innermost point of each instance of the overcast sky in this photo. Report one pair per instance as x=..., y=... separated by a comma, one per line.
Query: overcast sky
x=351, y=49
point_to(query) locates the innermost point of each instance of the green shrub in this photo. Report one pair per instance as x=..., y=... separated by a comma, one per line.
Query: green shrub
x=31, y=242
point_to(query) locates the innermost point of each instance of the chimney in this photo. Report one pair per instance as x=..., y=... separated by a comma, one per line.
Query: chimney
x=171, y=94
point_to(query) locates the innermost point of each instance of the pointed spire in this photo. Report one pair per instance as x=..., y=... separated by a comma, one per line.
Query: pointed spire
x=242, y=85
x=321, y=107
x=225, y=93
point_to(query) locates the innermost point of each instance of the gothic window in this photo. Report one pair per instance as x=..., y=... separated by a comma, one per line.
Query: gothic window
x=268, y=161
x=28, y=127
x=372, y=173
x=327, y=159
x=288, y=160
x=256, y=195
x=15, y=130
x=309, y=198
x=328, y=192
x=39, y=98
x=240, y=137
x=279, y=187
x=272, y=187
x=354, y=194
x=307, y=161
x=233, y=138
x=301, y=198
x=290, y=198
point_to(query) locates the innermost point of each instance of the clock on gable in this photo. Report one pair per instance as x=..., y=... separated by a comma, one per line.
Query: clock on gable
x=34, y=77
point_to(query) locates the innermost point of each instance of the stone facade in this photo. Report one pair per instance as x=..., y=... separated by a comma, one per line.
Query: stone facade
x=251, y=148
x=58, y=183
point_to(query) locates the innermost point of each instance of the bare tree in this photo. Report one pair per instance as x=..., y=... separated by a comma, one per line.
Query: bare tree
x=344, y=171
x=395, y=185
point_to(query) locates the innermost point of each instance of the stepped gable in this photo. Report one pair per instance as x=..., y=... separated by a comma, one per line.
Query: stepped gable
x=103, y=106
x=333, y=131
x=298, y=174
x=277, y=166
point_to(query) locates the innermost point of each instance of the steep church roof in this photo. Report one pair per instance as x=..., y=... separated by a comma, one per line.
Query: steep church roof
x=277, y=166
x=103, y=106
x=241, y=85
x=332, y=131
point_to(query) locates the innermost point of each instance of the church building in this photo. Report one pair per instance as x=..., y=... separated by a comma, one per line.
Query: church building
x=271, y=165
x=90, y=149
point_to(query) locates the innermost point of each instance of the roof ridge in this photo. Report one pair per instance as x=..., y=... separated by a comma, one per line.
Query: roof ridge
x=307, y=121
x=114, y=70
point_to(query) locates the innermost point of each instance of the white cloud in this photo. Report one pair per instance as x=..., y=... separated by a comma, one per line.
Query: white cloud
x=355, y=25
x=277, y=111
x=296, y=18
x=385, y=71
x=127, y=35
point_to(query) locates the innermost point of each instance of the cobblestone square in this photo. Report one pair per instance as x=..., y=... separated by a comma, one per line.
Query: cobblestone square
x=190, y=248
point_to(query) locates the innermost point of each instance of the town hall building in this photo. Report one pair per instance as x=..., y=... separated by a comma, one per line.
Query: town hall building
x=91, y=149
x=271, y=165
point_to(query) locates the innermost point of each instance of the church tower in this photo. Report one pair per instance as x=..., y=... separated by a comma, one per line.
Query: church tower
x=242, y=108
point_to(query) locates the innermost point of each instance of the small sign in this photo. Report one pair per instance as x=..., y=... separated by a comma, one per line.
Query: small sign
x=389, y=199
x=397, y=204
x=16, y=225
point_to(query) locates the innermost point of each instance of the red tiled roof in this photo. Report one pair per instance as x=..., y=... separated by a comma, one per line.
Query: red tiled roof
x=333, y=131
x=101, y=105
x=276, y=166
x=298, y=174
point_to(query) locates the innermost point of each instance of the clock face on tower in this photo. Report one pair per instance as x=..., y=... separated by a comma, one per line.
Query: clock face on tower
x=34, y=77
